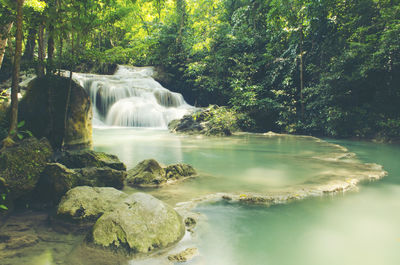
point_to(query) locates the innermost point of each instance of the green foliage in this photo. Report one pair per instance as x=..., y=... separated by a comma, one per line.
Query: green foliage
x=264, y=59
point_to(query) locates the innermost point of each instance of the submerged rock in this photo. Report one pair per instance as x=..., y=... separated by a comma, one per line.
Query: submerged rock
x=21, y=166
x=138, y=224
x=43, y=110
x=149, y=173
x=90, y=158
x=190, y=222
x=184, y=256
x=86, y=204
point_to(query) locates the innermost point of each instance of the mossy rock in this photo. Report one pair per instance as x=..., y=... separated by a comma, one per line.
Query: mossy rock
x=149, y=173
x=101, y=177
x=146, y=172
x=86, y=204
x=138, y=224
x=210, y=121
x=22, y=164
x=43, y=110
x=90, y=158
x=55, y=180
x=178, y=171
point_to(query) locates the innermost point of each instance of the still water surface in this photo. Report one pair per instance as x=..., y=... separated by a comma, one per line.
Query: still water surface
x=355, y=228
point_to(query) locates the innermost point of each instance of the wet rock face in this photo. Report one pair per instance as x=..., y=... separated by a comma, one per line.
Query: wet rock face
x=86, y=204
x=138, y=224
x=22, y=164
x=43, y=110
x=90, y=158
x=150, y=173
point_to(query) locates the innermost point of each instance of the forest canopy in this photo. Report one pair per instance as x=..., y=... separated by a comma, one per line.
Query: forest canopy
x=321, y=67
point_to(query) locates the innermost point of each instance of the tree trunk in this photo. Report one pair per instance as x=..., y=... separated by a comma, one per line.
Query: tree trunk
x=60, y=53
x=301, y=69
x=50, y=50
x=15, y=74
x=67, y=107
x=30, y=45
x=40, y=67
x=3, y=40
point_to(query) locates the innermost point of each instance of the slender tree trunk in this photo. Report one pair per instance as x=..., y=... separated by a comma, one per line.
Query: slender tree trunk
x=60, y=53
x=15, y=75
x=50, y=50
x=10, y=48
x=301, y=69
x=3, y=40
x=30, y=45
x=40, y=68
x=66, y=108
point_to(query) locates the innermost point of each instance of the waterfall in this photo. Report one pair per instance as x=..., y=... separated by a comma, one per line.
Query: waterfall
x=132, y=98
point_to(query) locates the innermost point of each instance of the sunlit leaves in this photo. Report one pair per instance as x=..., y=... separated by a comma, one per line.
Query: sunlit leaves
x=36, y=5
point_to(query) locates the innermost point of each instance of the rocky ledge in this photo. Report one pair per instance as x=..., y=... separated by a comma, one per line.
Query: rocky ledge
x=30, y=174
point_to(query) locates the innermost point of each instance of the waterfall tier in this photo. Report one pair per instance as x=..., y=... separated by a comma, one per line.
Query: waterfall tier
x=132, y=98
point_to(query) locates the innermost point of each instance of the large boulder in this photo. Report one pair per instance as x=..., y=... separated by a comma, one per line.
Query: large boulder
x=90, y=158
x=86, y=204
x=43, y=109
x=21, y=166
x=149, y=173
x=101, y=177
x=138, y=224
x=56, y=180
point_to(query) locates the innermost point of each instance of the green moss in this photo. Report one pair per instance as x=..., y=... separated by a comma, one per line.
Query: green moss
x=212, y=121
x=21, y=165
x=90, y=158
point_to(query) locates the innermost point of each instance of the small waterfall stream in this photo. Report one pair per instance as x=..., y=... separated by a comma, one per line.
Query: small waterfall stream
x=132, y=98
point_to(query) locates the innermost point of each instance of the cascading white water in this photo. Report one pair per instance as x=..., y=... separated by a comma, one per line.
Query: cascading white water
x=132, y=98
